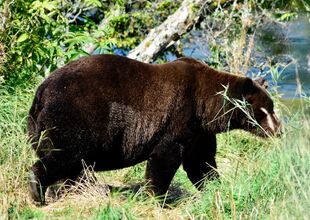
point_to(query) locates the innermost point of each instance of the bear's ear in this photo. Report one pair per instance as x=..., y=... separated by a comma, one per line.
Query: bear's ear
x=243, y=86
x=262, y=82
x=247, y=85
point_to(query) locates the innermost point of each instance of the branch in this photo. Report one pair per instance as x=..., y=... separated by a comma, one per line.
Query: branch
x=170, y=30
x=115, y=12
x=5, y=15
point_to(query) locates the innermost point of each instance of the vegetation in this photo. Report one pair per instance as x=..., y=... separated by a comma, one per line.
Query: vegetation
x=39, y=36
x=260, y=179
x=43, y=35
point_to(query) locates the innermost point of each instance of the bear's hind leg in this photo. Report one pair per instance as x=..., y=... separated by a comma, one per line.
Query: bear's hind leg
x=63, y=186
x=37, y=190
x=47, y=171
x=199, y=160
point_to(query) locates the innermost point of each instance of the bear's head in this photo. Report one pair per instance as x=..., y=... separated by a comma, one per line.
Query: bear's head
x=258, y=115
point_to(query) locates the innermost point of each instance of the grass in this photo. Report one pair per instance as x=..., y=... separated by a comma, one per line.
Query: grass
x=260, y=179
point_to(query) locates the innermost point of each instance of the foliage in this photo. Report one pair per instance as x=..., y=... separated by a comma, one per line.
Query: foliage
x=259, y=178
x=39, y=36
x=32, y=39
x=43, y=35
x=288, y=5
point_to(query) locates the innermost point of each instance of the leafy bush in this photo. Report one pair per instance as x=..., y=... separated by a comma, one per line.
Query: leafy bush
x=39, y=36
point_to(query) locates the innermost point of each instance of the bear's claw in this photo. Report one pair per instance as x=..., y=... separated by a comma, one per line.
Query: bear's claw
x=37, y=191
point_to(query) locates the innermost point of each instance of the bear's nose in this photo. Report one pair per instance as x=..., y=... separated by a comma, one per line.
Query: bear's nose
x=278, y=128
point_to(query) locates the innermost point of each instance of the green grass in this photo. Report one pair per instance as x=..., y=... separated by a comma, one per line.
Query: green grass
x=260, y=179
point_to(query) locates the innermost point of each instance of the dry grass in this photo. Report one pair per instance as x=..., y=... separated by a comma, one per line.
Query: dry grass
x=259, y=179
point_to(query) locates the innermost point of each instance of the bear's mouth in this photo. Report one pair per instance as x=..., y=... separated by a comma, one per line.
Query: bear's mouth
x=266, y=129
x=261, y=132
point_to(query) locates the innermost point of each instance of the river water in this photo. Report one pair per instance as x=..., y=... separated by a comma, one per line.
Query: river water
x=294, y=42
x=286, y=43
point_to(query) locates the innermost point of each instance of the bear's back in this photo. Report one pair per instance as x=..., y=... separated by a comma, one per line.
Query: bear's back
x=110, y=78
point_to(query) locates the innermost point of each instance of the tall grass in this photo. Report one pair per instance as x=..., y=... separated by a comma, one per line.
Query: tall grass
x=15, y=153
x=260, y=178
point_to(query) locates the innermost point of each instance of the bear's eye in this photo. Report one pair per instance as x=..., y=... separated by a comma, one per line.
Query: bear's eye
x=264, y=111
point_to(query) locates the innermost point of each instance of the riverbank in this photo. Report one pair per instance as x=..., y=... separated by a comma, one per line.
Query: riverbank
x=296, y=106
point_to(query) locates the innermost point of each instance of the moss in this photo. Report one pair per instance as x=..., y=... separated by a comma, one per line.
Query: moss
x=148, y=43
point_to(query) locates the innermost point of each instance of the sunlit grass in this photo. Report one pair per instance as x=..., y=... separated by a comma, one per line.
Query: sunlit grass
x=260, y=179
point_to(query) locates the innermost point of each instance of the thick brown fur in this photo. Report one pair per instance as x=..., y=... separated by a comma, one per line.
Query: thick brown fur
x=113, y=112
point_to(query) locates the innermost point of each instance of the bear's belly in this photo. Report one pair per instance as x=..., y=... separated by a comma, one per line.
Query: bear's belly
x=116, y=157
x=131, y=134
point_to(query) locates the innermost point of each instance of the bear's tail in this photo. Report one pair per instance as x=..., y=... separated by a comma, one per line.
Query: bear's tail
x=34, y=112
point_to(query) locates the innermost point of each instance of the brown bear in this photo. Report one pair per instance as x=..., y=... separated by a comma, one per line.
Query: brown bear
x=113, y=112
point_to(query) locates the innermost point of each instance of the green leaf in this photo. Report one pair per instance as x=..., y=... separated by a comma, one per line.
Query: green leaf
x=94, y=3
x=22, y=38
x=288, y=16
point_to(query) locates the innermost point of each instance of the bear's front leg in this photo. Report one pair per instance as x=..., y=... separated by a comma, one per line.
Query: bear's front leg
x=161, y=167
x=198, y=159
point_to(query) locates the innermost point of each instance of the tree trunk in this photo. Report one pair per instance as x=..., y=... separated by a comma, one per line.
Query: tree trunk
x=170, y=30
x=4, y=15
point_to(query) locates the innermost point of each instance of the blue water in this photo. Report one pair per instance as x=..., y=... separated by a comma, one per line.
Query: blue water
x=283, y=43
x=292, y=44
x=297, y=46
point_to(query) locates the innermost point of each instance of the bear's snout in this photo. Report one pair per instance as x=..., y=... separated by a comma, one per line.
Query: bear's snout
x=271, y=124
